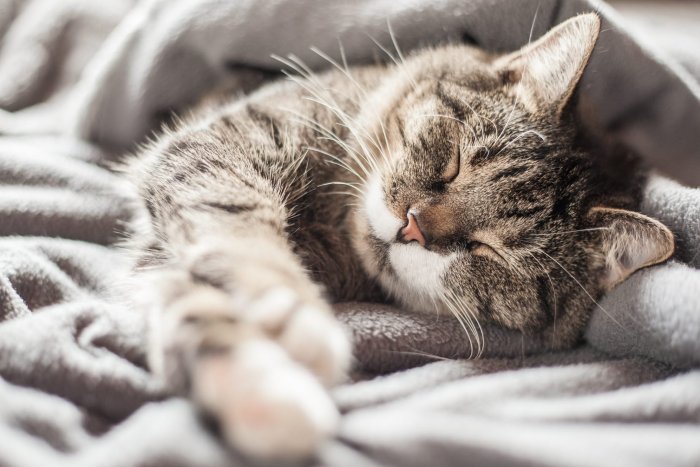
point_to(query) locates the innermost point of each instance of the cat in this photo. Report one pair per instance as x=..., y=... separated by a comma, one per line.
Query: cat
x=454, y=181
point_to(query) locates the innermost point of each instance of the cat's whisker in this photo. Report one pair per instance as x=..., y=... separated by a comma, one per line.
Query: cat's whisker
x=446, y=299
x=531, y=132
x=341, y=163
x=346, y=123
x=475, y=329
x=361, y=90
x=344, y=70
x=311, y=77
x=450, y=117
x=364, y=152
x=289, y=197
x=385, y=159
x=363, y=169
x=296, y=64
x=520, y=82
x=466, y=317
x=476, y=146
x=354, y=186
x=399, y=65
x=393, y=41
x=520, y=136
x=511, y=259
x=345, y=193
x=502, y=133
x=554, y=293
x=291, y=65
x=398, y=51
x=476, y=324
x=420, y=353
x=592, y=229
x=374, y=142
x=343, y=58
x=331, y=136
x=532, y=26
x=329, y=102
x=481, y=118
x=612, y=318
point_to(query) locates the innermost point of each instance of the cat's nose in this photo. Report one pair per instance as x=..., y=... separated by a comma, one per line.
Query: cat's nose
x=412, y=231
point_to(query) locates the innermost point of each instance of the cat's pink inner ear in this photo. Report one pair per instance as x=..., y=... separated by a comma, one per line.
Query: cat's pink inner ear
x=545, y=73
x=629, y=241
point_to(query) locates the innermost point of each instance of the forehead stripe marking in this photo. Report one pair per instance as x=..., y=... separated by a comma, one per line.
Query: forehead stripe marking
x=455, y=106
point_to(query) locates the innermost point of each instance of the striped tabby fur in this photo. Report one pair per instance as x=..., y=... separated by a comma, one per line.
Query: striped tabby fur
x=265, y=209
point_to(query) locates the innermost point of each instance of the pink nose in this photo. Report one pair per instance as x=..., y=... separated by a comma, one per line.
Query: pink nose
x=412, y=231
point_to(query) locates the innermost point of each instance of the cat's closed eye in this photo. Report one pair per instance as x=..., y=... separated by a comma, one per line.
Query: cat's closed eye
x=478, y=248
x=452, y=169
x=449, y=174
x=473, y=246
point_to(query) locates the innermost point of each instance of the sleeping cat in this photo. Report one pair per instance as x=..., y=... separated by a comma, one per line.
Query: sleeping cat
x=453, y=181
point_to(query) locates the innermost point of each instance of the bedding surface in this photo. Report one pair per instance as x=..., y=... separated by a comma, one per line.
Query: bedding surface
x=82, y=82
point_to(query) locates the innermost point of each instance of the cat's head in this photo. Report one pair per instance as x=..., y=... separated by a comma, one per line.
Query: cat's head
x=480, y=202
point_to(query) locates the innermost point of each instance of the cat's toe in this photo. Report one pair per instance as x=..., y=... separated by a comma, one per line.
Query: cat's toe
x=269, y=407
x=316, y=339
x=307, y=329
x=185, y=323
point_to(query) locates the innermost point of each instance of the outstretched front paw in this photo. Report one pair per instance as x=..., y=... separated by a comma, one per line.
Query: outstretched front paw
x=267, y=405
x=259, y=365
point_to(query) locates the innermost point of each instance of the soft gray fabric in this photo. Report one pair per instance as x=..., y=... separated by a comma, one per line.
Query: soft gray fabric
x=168, y=52
x=74, y=387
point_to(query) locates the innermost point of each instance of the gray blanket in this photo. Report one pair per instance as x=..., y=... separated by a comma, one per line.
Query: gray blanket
x=82, y=81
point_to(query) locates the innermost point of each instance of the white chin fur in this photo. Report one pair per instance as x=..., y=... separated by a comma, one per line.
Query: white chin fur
x=382, y=221
x=420, y=271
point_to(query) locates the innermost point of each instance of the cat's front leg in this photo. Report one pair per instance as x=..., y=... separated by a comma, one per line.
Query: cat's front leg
x=241, y=326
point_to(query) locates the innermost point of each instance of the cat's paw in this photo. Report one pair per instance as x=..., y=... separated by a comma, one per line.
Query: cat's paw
x=258, y=366
x=307, y=330
x=268, y=406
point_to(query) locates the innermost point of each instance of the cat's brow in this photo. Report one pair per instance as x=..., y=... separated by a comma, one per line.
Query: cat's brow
x=454, y=105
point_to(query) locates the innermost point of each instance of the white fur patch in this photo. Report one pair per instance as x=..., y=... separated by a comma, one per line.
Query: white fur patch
x=382, y=221
x=419, y=269
x=269, y=406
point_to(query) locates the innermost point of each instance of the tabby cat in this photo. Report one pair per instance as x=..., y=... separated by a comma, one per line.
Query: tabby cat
x=454, y=180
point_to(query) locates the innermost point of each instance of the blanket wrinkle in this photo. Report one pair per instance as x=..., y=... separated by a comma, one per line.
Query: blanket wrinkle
x=83, y=81
x=603, y=372
x=487, y=442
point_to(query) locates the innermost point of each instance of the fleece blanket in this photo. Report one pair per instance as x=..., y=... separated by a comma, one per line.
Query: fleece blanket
x=81, y=82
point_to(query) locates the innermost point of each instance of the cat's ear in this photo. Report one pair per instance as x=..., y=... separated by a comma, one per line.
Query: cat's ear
x=546, y=72
x=629, y=241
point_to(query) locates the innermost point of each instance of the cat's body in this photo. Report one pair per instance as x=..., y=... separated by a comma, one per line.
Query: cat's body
x=265, y=133
x=451, y=183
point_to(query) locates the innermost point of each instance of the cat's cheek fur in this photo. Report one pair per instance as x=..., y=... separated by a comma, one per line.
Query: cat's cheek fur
x=382, y=220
